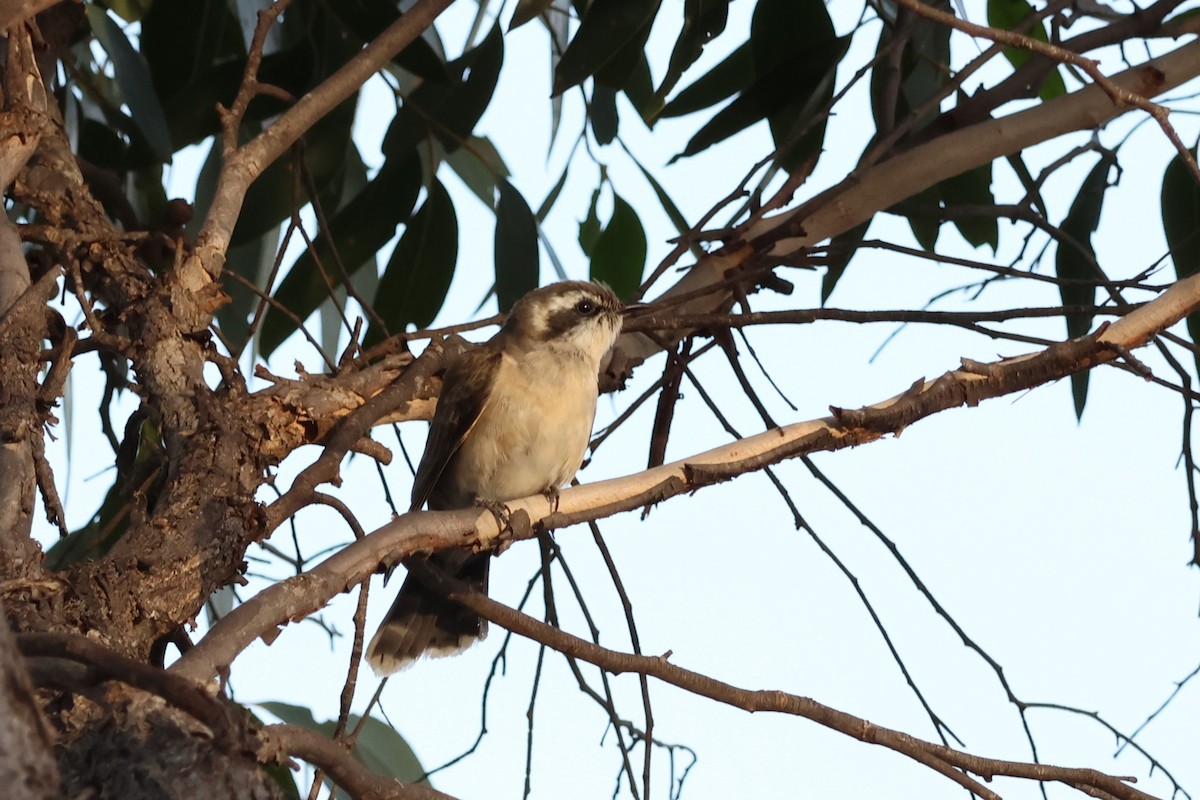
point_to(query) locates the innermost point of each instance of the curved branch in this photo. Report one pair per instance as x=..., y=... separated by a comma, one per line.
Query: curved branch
x=359, y=782
x=298, y=597
x=248, y=161
x=860, y=196
x=952, y=763
x=856, y=199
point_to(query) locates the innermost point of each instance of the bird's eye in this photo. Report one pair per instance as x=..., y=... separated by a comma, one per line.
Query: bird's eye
x=585, y=308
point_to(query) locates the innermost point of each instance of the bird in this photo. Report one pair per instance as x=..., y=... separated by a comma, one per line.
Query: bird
x=514, y=419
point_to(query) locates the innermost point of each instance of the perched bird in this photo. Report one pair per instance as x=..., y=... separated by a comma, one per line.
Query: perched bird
x=513, y=419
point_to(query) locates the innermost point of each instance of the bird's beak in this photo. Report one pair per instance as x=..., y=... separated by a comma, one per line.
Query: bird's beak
x=633, y=308
x=629, y=313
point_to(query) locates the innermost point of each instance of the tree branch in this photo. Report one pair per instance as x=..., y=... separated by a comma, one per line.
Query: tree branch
x=411, y=533
x=955, y=764
x=838, y=209
x=248, y=161
x=277, y=741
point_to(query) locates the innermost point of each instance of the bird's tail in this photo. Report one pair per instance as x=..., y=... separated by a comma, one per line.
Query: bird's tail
x=423, y=622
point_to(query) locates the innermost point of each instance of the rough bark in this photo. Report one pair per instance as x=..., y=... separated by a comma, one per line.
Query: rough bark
x=27, y=768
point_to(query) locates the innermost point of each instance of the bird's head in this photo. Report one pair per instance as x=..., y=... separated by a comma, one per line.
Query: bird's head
x=577, y=317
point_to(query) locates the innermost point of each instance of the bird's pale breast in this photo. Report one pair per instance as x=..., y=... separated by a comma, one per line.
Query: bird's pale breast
x=534, y=430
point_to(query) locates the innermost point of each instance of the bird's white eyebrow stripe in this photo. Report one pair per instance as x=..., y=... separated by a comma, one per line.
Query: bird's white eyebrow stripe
x=568, y=300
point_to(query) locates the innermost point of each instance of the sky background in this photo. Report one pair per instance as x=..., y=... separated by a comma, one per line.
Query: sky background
x=1061, y=548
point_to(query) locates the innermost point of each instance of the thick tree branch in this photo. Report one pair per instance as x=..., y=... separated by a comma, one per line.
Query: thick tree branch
x=296, y=598
x=14, y=11
x=859, y=197
x=27, y=767
x=278, y=741
x=780, y=237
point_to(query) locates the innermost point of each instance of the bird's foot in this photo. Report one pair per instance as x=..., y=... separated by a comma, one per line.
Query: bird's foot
x=503, y=519
x=551, y=494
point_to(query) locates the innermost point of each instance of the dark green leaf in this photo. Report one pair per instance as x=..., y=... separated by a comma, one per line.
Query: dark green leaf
x=247, y=261
x=639, y=88
x=1076, y=265
x=731, y=76
x=527, y=10
x=589, y=229
x=449, y=110
x=417, y=277
x=619, y=69
x=901, y=83
x=842, y=248
x=676, y=216
x=791, y=85
x=749, y=107
x=177, y=62
x=516, y=247
x=973, y=188
x=133, y=76
x=273, y=196
x=703, y=20
x=193, y=74
x=360, y=228
x=780, y=29
x=1181, y=225
x=385, y=752
x=366, y=19
x=604, y=30
x=926, y=60
x=1011, y=15
x=102, y=145
x=619, y=257
x=795, y=52
x=602, y=113
x=1181, y=216
x=926, y=223
x=379, y=747
x=798, y=127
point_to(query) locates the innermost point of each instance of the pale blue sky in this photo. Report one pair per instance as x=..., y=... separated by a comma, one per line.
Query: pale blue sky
x=1061, y=548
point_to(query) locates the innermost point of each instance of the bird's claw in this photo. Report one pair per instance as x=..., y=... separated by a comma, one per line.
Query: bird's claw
x=503, y=519
x=551, y=494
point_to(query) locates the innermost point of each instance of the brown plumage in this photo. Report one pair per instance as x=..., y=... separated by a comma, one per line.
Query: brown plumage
x=513, y=419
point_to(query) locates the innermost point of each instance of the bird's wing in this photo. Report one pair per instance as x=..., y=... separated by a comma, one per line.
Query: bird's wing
x=466, y=390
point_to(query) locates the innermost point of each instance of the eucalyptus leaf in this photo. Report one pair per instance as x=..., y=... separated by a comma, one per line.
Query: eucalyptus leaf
x=417, y=276
x=1075, y=265
x=589, y=229
x=449, y=110
x=527, y=10
x=602, y=113
x=516, y=247
x=842, y=248
x=619, y=256
x=379, y=747
x=133, y=76
x=703, y=20
x=1012, y=15
x=359, y=229
x=1181, y=226
x=604, y=30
